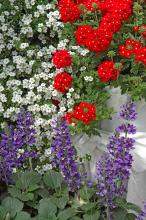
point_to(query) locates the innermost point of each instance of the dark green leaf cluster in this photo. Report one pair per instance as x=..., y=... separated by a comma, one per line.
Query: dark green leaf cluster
x=36, y=197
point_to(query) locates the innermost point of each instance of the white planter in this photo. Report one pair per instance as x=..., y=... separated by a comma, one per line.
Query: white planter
x=97, y=145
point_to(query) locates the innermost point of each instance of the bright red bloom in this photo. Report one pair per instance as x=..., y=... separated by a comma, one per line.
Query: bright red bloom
x=141, y=55
x=69, y=117
x=123, y=9
x=107, y=71
x=99, y=40
x=143, y=32
x=129, y=48
x=61, y=59
x=124, y=52
x=62, y=82
x=135, y=29
x=111, y=22
x=82, y=34
x=69, y=11
x=85, y=112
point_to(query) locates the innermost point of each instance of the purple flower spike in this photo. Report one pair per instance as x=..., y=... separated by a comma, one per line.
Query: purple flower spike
x=13, y=151
x=128, y=112
x=64, y=155
x=113, y=169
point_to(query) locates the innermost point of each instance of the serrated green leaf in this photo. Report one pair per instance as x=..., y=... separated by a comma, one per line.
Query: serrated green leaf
x=60, y=202
x=46, y=208
x=12, y=205
x=119, y=214
x=86, y=193
x=131, y=206
x=130, y=216
x=66, y=214
x=15, y=192
x=28, y=180
x=94, y=216
x=75, y=218
x=2, y=213
x=88, y=206
x=53, y=179
x=23, y=216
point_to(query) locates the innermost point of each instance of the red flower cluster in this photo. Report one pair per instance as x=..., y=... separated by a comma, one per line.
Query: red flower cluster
x=141, y=30
x=141, y=55
x=69, y=11
x=82, y=34
x=100, y=39
x=62, y=82
x=129, y=48
x=61, y=59
x=84, y=112
x=133, y=47
x=106, y=71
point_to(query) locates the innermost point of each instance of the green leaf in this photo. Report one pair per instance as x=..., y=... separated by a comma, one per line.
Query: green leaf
x=15, y=192
x=60, y=202
x=23, y=216
x=8, y=216
x=46, y=208
x=88, y=206
x=86, y=193
x=75, y=218
x=12, y=205
x=130, y=216
x=94, y=216
x=2, y=213
x=28, y=180
x=131, y=206
x=44, y=193
x=119, y=214
x=66, y=214
x=53, y=179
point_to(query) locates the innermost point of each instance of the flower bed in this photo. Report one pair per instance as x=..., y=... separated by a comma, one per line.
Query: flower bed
x=56, y=61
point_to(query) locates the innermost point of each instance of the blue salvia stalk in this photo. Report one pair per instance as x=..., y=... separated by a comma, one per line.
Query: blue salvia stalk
x=63, y=155
x=114, y=167
x=14, y=139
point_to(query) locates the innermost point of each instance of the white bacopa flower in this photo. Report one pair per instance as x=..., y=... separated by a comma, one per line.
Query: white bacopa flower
x=47, y=167
x=47, y=152
x=86, y=78
x=24, y=45
x=71, y=90
x=83, y=68
x=68, y=95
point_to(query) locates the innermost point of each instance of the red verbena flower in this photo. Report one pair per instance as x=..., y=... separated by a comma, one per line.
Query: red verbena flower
x=99, y=40
x=85, y=112
x=131, y=47
x=69, y=11
x=142, y=30
x=62, y=82
x=61, y=59
x=82, y=34
x=107, y=71
x=69, y=117
x=140, y=55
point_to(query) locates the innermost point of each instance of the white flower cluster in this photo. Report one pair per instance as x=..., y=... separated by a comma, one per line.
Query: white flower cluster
x=29, y=33
x=88, y=78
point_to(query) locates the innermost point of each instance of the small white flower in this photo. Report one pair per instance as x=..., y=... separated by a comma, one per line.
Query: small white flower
x=83, y=68
x=14, y=170
x=24, y=45
x=71, y=90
